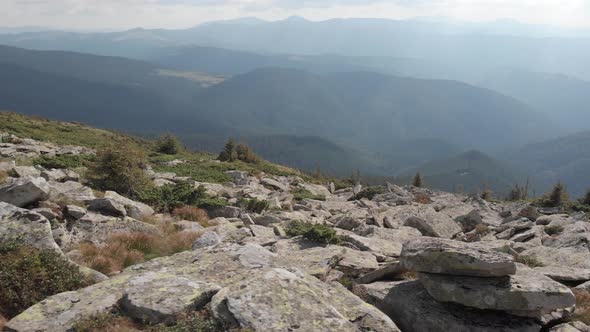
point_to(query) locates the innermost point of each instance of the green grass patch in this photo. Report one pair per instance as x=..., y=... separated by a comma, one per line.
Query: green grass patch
x=300, y=194
x=368, y=193
x=320, y=233
x=65, y=161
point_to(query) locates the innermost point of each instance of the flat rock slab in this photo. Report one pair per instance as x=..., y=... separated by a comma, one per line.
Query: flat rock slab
x=275, y=299
x=25, y=191
x=413, y=309
x=318, y=261
x=375, y=245
x=157, y=297
x=520, y=292
x=564, y=273
x=432, y=223
x=28, y=226
x=456, y=258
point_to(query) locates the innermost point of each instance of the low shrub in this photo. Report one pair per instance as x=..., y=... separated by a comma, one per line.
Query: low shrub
x=211, y=203
x=119, y=168
x=300, y=194
x=253, y=205
x=169, y=197
x=29, y=275
x=169, y=144
x=320, y=233
x=368, y=193
x=191, y=213
x=65, y=161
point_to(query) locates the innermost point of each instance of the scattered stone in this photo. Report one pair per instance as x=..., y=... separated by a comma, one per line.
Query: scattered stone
x=208, y=239
x=23, y=192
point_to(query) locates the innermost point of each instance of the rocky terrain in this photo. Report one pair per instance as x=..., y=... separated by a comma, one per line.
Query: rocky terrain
x=409, y=259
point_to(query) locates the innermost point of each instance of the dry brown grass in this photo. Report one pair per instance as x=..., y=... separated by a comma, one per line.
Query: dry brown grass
x=582, y=306
x=191, y=213
x=122, y=250
x=408, y=275
x=107, y=322
x=482, y=229
x=3, y=177
x=3, y=322
x=422, y=198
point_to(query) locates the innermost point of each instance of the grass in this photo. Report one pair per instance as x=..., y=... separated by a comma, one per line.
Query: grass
x=67, y=133
x=122, y=250
x=191, y=213
x=300, y=194
x=320, y=233
x=65, y=161
x=3, y=177
x=29, y=275
x=582, y=312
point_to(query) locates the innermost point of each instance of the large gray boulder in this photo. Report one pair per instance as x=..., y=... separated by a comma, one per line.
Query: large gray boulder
x=136, y=210
x=25, y=191
x=107, y=207
x=520, y=293
x=27, y=226
x=274, y=299
x=413, y=309
x=435, y=224
x=457, y=258
x=174, y=295
x=70, y=192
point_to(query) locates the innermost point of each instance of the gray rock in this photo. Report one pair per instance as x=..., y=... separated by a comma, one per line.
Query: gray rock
x=266, y=220
x=23, y=192
x=262, y=231
x=70, y=191
x=380, y=247
x=435, y=224
x=274, y=184
x=281, y=300
x=60, y=175
x=135, y=210
x=108, y=207
x=564, y=273
x=226, y=212
x=29, y=227
x=174, y=296
x=451, y=257
x=316, y=261
x=26, y=172
x=348, y=222
x=239, y=178
x=469, y=221
x=520, y=292
x=413, y=309
x=208, y=239
x=75, y=212
x=387, y=272
x=356, y=263
x=7, y=166
x=570, y=257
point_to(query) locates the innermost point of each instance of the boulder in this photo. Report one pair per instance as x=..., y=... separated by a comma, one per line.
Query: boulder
x=275, y=299
x=75, y=212
x=381, y=248
x=29, y=227
x=435, y=224
x=208, y=239
x=70, y=192
x=517, y=293
x=576, y=257
x=135, y=210
x=107, y=207
x=469, y=221
x=23, y=192
x=60, y=175
x=239, y=178
x=564, y=273
x=272, y=183
x=457, y=258
x=226, y=212
x=174, y=295
x=7, y=166
x=266, y=220
x=317, y=261
x=356, y=263
x=26, y=172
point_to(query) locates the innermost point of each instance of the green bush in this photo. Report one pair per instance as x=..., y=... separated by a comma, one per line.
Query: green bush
x=234, y=152
x=211, y=203
x=119, y=168
x=29, y=275
x=300, y=194
x=65, y=161
x=314, y=232
x=557, y=197
x=368, y=193
x=168, y=144
x=169, y=197
x=417, y=181
x=253, y=205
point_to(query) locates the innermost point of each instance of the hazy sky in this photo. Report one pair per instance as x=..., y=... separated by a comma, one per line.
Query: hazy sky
x=120, y=14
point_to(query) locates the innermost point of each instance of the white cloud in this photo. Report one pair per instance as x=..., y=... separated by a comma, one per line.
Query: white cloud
x=119, y=14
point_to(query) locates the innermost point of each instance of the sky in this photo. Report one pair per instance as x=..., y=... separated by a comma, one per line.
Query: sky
x=125, y=14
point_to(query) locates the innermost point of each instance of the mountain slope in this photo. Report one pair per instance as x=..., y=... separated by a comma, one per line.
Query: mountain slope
x=564, y=99
x=564, y=159
x=468, y=171
x=368, y=110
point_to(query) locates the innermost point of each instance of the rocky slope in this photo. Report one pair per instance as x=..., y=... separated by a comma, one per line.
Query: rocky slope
x=404, y=253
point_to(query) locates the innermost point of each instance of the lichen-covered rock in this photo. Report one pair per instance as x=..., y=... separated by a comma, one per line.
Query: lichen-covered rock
x=413, y=309
x=70, y=191
x=520, y=292
x=135, y=210
x=380, y=247
x=564, y=273
x=29, y=227
x=452, y=257
x=432, y=223
x=160, y=297
x=274, y=299
x=108, y=207
x=208, y=239
x=25, y=191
